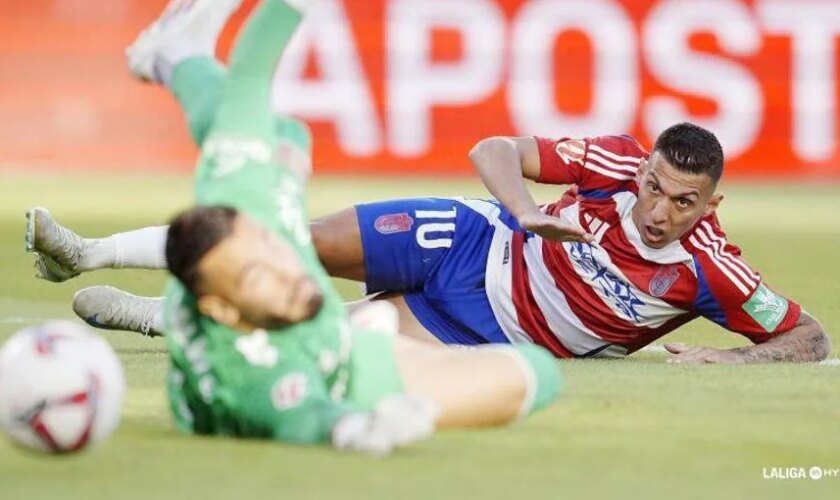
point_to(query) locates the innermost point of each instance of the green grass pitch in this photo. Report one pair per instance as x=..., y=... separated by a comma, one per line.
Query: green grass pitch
x=634, y=427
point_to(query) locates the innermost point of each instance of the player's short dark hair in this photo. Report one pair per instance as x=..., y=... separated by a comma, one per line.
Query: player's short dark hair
x=191, y=236
x=692, y=149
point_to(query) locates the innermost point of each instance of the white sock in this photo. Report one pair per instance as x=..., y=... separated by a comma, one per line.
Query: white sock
x=140, y=249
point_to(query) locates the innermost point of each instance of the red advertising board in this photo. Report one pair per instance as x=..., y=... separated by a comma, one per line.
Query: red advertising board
x=408, y=86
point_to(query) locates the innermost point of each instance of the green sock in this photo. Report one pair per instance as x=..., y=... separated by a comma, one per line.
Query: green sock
x=197, y=85
x=545, y=376
x=246, y=99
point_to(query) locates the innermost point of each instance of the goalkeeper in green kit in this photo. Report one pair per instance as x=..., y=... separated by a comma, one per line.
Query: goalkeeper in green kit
x=261, y=343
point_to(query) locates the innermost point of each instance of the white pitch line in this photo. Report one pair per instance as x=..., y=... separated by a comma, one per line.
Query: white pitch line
x=661, y=349
x=22, y=321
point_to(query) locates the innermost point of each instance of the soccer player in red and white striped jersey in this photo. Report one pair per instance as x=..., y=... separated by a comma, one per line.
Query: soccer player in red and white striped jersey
x=631, y=252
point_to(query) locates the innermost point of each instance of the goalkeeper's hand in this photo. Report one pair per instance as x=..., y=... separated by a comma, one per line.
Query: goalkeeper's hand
x=395, y=422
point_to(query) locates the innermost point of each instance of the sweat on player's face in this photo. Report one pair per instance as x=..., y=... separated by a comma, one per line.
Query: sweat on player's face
x=243, y=275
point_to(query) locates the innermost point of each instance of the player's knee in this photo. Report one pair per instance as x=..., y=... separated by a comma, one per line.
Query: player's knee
x=544, y=378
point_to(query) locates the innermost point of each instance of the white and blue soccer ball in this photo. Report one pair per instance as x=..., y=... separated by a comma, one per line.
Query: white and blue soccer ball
x=61, y=388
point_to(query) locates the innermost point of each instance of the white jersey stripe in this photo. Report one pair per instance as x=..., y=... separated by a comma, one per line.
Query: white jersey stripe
x=728, y=255
x=720, y=249
x=499, y=273
x=608, y=173
x=593, y=156
x=694, y=241
x=718, y=253
x=613, y=156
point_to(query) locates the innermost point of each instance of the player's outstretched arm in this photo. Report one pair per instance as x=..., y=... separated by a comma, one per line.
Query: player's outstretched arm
x=805, y=342
x=503, y=164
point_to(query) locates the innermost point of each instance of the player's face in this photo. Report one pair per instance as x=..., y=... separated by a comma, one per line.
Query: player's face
x=254, y=279
x=670, y=201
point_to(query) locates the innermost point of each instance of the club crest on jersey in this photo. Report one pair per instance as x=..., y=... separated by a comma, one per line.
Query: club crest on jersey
x=393, y=223
x=663, y=280
x=571, y=150
x=289, y=391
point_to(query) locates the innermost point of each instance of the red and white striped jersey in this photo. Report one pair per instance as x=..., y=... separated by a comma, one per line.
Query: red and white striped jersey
x=616, y=295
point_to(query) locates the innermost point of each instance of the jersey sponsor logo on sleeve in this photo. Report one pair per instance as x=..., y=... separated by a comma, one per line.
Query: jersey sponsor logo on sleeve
x=289, y=391
x=393, y=223
x=766, y=307
x=571, y=150
x=663, y=280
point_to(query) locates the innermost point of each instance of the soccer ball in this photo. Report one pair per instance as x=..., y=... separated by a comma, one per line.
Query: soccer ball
x=61, y=388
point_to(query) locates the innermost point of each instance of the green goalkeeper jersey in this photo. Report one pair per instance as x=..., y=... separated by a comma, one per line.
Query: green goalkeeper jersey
x=287, y=384
x=291, y=384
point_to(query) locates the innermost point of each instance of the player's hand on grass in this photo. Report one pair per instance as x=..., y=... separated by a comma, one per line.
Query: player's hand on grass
x=552, y=228
x=396, y=421
x=685, y=354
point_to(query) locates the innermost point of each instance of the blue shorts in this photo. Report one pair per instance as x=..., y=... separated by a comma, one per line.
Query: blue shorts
x=434, y=251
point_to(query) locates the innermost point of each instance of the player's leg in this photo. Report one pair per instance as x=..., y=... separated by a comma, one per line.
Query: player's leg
x=489, y=385
x=177, y=51
x=63, y=254
x=396, y=247
x=481, y=386
x=406, y=322
x=245, y=108
x=338, y=241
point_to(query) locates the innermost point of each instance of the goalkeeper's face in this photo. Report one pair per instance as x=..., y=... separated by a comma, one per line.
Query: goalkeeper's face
x=254, y=279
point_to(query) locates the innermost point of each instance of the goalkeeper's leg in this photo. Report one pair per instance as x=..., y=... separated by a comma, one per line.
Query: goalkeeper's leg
x=482, y=386
x=245, y=108
x=177, y=51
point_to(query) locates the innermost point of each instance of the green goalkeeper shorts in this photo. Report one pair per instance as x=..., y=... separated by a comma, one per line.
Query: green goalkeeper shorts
x=373, y=369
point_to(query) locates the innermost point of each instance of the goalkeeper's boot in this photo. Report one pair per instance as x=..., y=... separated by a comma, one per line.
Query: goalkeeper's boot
x=186, y=28
x=109, y=308
x=59, y=250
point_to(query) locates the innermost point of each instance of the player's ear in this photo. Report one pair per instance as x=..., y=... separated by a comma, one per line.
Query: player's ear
x=219, y=309
x=713, y=203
